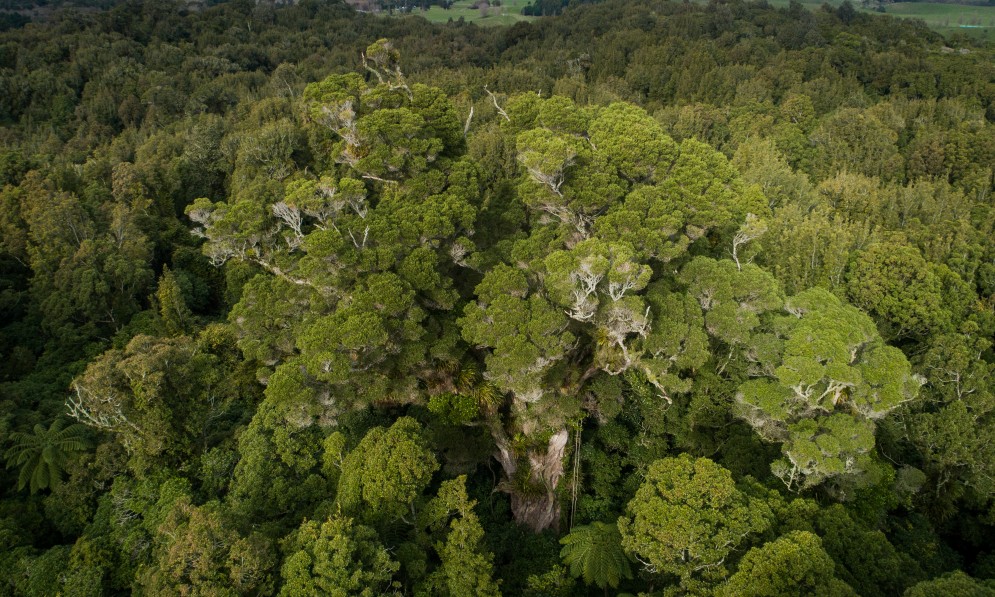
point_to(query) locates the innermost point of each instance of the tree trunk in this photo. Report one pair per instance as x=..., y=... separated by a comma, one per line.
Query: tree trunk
x=538, y=509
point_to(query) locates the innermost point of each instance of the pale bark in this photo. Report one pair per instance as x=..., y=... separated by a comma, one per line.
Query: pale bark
x=540, y=509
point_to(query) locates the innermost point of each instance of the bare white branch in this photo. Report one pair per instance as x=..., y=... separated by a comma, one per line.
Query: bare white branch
x=494, y=99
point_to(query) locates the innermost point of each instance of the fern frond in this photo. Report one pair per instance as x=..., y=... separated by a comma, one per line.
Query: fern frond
x=594, y=554
x=42, y=455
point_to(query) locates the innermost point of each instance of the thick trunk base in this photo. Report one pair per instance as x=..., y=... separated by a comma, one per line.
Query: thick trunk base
x=538, y=510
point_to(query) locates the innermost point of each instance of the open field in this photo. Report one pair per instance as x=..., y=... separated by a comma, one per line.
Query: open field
x=509, y=13
x=948, y=19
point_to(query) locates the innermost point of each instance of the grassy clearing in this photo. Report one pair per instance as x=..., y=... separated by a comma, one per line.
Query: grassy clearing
x=947, y=19
x=509, y=13
x=976, y=21
x=809, y=4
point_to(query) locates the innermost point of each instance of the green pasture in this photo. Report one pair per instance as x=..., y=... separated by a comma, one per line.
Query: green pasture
x=809, y=4
x=948, y=19
x=976, y=21
x=509, y=13
x=945, y=14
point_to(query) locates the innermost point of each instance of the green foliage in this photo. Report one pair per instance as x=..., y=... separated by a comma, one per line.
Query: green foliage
x=336, y=557
x=594, y=552
x=277, y=471
x=822, y=390
x=814, y=247
x=954, y=584
x=89, y=269
x=592, y=281
x=575, y=255
x=176, y=316
x=41, y=455
x=467, y=567
x=200, y=554
x=687, y=517
x=554, y=583
x=794, y=563
x=524, y=329
x=386, y=473
x=852, y=139
x=864, y=557
x=695, y=193
x=953, y=426
x=761, y=163
x=37, y=573
x=732, y=297
x=157, y=396
x=898, y=287
x=453, y=408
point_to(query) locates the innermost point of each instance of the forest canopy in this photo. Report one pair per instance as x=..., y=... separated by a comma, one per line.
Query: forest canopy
x=651, y=297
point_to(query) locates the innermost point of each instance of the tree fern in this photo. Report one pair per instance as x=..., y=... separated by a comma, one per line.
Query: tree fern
x=594, y=553
x=42, y=453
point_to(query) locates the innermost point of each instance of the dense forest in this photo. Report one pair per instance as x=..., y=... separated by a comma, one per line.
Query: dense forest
x=648, y=298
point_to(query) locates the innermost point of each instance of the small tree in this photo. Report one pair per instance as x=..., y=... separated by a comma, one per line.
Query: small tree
x=387, y=472
x=822, y=389
x=686, y=519
x=337, y=557
x=793, y=564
